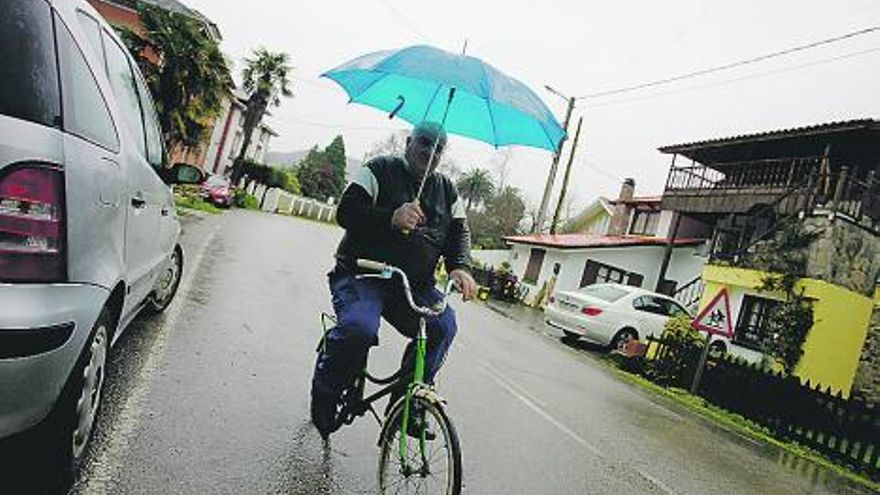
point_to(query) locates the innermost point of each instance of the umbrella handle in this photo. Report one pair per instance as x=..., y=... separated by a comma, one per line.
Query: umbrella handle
x=398, y=107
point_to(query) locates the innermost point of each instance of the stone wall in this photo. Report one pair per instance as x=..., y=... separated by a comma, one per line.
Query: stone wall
x=845, y=255
x=849, y=256
x=867, y=381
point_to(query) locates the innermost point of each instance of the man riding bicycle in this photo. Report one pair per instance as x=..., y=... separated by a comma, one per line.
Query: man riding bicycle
x=385, y=221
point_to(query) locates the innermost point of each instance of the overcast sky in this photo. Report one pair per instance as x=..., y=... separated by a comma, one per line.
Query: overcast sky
x=579, y=47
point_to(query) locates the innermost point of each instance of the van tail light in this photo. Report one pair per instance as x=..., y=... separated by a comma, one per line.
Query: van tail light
x=32, y=224
x=591, y=311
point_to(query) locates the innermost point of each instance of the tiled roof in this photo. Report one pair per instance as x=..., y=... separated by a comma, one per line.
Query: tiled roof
x=851, y=142
x=639, y=200
x=846, y=125
x=173, y=6
x=577, y=241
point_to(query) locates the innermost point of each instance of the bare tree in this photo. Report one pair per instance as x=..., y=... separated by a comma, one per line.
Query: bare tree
x=392, y=145
x=531, y=216
x=501, y=164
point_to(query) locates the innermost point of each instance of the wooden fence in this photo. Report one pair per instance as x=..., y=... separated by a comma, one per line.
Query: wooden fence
x=847, y=431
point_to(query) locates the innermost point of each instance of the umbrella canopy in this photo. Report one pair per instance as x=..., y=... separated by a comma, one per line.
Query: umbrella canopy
x=470, y=97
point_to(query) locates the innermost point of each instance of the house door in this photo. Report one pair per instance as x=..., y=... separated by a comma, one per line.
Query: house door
x=533, y=269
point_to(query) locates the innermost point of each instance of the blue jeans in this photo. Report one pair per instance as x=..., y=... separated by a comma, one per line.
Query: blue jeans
x=358, y=305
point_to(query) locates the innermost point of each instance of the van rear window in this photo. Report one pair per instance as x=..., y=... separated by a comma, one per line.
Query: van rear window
x=28, y=72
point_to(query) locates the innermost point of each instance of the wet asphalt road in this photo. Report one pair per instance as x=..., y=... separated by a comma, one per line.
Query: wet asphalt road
x=213, y=396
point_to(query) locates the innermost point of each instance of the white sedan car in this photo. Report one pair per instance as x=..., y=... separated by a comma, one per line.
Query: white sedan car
x=610, y=314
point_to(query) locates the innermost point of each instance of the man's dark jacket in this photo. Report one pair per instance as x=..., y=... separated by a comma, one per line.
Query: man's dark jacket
x=365, y=210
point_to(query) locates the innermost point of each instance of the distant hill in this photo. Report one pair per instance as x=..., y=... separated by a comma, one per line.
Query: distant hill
x=290, y=159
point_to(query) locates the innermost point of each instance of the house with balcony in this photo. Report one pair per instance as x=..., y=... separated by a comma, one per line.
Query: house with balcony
x=216, y=153
x=624, y=240
x=753, y=188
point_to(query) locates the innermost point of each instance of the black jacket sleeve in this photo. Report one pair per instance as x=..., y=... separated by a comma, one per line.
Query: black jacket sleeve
x=356, y=212
x=457, y=252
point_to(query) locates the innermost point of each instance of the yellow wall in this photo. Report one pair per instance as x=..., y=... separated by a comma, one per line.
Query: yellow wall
x=834, y=344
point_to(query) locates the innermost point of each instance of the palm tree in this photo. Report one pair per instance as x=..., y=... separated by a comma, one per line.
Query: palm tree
x=187, y=75
x=475, y=186
x=265, y=81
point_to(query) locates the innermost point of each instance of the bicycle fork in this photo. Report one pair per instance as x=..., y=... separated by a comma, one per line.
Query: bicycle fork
x=418, y=380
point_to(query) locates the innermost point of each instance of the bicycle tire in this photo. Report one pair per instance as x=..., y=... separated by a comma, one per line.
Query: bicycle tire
x=445, y=444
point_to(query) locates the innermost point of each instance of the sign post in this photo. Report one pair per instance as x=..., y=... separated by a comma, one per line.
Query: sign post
x=714, y=319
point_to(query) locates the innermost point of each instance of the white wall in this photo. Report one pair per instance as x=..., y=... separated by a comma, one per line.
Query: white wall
x=216, y=136
x=599, y=225
x=737, y=294
x=231, y=145
x=664, y=224
x=520, y=259
x=259, y=145
x=684, y=266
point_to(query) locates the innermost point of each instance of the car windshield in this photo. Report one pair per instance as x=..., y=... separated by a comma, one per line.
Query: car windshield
x=608, y=293
x=216, y=181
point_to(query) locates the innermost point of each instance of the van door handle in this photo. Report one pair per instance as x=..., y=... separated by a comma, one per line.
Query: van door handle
x=138, y=201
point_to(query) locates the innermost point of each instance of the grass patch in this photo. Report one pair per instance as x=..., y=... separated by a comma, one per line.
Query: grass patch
x=741, y=425
x=195, y=204
x=243, y=199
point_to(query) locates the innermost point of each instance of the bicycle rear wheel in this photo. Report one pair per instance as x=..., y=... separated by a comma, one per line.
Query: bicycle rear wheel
x=438, y=471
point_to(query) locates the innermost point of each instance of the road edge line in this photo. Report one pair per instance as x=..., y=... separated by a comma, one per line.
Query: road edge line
x=107, y=464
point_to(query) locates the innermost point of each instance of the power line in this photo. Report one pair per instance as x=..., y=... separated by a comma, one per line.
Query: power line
x=739, y=63
x=406, y=21
x=735, y=80
x=338, y=126
x=317, y=84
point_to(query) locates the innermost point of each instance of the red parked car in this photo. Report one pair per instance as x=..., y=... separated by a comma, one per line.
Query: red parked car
x=217, y=191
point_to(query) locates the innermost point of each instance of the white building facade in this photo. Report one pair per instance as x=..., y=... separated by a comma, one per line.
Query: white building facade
x=228, y=136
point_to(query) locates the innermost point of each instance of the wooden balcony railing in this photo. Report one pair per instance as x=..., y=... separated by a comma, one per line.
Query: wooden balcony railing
x=758, y=174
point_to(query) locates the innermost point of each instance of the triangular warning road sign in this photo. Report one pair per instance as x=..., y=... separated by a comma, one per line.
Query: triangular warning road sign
x=715, y=317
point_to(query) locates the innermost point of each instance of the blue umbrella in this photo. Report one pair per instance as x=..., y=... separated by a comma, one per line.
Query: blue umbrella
x=468, y=96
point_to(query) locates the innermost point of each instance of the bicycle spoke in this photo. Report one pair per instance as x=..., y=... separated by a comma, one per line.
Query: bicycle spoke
x=430, y=471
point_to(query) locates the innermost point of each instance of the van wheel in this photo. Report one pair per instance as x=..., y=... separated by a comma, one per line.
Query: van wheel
x=570, y=336
x=167, y=285
x=69, y=426
x=621, y=338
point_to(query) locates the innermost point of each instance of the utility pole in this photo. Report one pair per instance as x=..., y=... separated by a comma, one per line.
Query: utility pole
x=574, y=145
x=551, y=177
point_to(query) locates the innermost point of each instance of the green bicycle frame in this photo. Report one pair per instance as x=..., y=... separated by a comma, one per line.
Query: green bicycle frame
x=418, y=380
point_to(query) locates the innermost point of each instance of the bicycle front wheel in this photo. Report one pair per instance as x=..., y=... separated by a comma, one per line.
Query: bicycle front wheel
x=432, y=467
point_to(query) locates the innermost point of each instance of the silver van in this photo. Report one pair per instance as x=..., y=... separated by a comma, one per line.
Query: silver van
x=88, y=229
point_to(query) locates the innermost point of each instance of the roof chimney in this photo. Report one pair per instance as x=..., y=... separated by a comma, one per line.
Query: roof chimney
x=627, y=190
x=620, y=218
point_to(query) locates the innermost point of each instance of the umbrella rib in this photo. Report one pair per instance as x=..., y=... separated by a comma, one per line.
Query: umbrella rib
x=489, y=108
x=492, y=120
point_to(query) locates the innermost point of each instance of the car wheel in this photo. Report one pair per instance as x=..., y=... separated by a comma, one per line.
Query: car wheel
x=167, y=285
x=622, y=338
x=66, y=431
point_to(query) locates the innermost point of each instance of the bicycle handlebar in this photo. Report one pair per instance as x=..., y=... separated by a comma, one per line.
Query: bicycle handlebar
x=386, y=271
x=372, y=265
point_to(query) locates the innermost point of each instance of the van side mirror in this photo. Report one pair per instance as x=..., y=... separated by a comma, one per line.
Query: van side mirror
x=183, y=173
